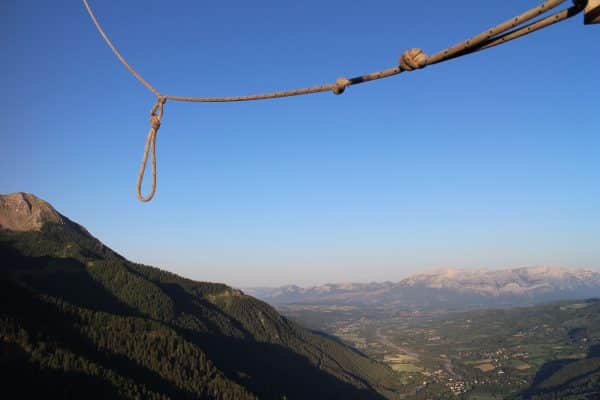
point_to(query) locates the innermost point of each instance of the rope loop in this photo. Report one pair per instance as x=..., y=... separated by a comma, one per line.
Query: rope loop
x=413, y=59
x=156, y=114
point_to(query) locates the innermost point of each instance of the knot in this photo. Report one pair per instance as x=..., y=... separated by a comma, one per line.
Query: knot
x=155, y=122
x=413, y=59
x=340, y=85
x=156, y=114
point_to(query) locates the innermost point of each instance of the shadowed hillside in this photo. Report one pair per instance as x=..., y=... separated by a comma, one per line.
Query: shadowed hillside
x=77, y=319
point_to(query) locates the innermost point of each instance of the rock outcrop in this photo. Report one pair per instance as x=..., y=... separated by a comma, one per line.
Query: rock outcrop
x=25, y=212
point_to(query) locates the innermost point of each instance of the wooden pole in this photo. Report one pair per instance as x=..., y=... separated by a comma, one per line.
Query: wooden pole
x=592, y=12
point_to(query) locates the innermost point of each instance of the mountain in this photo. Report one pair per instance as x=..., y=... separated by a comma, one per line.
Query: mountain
x=78, y=320
x=25, y=212
x=456, y=288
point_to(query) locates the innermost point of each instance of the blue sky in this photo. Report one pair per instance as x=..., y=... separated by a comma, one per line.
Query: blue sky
x=492, y=160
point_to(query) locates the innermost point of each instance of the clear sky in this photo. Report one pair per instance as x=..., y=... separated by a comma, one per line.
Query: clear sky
x=487, y=161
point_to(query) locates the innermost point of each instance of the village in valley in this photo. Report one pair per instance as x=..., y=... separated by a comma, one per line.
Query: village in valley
x=473, y=355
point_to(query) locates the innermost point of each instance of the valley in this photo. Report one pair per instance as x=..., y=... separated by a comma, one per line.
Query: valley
x=477, y=354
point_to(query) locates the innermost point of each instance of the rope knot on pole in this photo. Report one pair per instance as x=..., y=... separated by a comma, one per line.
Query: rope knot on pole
x=413, y=59
x=156, y=114
x=340, y=85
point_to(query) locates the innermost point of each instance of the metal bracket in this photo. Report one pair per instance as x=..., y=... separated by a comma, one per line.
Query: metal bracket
x=592, y=12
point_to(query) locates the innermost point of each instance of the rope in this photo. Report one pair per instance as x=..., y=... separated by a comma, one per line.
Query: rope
x=117, y=53
x=410, y=60
x=155, y=116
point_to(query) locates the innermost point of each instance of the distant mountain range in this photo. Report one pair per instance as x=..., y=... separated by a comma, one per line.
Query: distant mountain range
x=454, y=288
x=77, y=320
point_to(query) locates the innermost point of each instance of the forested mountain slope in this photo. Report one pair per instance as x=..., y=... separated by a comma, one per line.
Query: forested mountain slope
x=78, y=320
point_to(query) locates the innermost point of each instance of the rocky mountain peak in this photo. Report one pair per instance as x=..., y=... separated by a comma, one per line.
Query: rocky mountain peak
x=25, y=212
